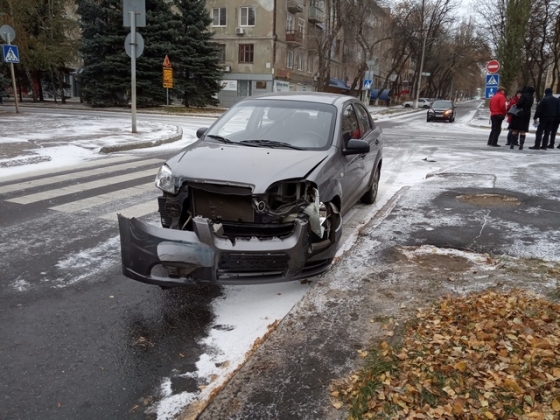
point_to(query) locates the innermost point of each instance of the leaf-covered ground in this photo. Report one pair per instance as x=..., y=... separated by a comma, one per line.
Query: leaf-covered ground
x=487, y=355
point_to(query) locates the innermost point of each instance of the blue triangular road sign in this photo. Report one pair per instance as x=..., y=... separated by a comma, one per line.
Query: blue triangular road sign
x=492, y=80
x=10, y=54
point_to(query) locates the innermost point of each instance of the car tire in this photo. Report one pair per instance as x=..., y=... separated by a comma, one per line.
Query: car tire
x=428, y=119
x=407, y=105
x=371, y=194
x=452, y=119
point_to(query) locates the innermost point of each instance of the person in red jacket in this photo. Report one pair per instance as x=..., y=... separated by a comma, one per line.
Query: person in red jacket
x=497, y=115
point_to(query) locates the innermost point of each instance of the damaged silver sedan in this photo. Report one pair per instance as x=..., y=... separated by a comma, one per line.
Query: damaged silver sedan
x=260, y=196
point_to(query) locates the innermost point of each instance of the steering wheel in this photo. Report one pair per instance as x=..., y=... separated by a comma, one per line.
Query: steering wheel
x=311, y=138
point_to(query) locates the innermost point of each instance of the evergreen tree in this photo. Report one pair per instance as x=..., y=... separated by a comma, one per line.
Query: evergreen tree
x=105, y=79
x=161, y=38
x=198, y=72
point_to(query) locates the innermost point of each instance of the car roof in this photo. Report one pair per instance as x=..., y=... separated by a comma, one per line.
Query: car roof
x=319, y=97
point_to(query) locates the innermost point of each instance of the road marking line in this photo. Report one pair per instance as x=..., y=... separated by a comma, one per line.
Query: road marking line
x=78, y=188
x=135, y=211
x=90, y=164
x=73, y=176
x=86, y=203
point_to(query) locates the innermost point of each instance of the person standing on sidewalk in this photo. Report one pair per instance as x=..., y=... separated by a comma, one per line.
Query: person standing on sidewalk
x=547, y=109
x=555, y=128
x=511, y=140
x=520, y=122
x=497, y=115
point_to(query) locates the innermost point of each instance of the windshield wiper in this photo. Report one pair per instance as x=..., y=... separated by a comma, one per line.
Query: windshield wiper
x=269, y=143
x=220, y=138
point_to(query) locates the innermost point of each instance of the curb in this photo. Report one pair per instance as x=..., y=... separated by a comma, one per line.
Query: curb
x=143, y=144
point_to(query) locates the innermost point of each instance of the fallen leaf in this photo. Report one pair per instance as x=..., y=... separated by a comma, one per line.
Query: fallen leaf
x=461, y=366
x=556, y=403
x=337, y=404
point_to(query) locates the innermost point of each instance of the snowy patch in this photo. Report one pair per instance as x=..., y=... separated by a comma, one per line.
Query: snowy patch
x=89, y=262
x=251, y=311
x=20, y=285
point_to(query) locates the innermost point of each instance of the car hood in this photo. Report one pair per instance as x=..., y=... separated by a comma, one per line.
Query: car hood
x=236, y=164
x=438, y=108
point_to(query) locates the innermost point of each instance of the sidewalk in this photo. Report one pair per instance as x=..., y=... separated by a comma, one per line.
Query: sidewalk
x=27, y=138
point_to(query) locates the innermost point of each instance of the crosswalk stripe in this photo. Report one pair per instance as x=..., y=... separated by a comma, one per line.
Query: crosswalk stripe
x=134, y=211
x=86, y=203
x=78, y=188
x=73, y=176
x=85, y=165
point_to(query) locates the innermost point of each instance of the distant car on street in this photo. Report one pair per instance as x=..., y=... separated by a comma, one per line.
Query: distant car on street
x=441, y=110
x=422, y=103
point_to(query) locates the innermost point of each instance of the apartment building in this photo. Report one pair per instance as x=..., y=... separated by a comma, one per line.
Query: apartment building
x=266, y=45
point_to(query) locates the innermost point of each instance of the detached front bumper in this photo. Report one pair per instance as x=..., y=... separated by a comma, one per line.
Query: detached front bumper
x=169, y=257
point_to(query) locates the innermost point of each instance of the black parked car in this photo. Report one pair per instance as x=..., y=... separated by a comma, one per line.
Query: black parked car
x=260, y=196
x=441, y=110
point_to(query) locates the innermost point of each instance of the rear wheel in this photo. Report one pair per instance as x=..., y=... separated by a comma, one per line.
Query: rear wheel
x=371, y=195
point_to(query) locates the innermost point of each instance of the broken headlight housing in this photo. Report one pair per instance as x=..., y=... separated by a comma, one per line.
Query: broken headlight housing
x=165, y=180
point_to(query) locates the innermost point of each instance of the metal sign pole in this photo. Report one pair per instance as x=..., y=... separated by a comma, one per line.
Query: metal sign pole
x=167, y=96
x=13, y=76
x=133, y=69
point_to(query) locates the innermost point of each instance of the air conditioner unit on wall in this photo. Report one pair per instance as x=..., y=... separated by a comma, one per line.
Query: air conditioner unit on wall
x=239, y=31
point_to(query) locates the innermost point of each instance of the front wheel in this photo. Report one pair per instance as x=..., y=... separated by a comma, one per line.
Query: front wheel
x=371, y=195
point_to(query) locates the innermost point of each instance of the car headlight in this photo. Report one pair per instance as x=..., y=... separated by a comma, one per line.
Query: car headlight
x=430, y=111
x=447, y=112
x=165, y=180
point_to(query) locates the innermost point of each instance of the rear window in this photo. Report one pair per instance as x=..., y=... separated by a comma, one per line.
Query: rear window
x=442, y=104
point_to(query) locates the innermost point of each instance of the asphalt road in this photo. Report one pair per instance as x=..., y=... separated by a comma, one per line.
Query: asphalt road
x=79, y=341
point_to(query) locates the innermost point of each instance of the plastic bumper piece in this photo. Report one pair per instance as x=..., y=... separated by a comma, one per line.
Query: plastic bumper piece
x=202, y=256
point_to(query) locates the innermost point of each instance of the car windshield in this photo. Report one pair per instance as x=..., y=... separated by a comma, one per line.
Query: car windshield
x=442, y=104
x=276, y=123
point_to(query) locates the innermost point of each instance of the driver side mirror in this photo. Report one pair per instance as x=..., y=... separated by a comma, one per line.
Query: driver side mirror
x=200, y=132
x=356, y=147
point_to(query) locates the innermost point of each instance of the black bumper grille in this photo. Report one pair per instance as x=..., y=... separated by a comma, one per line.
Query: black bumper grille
x=258, y=230
x=253, y=263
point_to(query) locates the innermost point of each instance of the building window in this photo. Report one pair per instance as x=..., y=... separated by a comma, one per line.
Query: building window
x=301, y=26
x=290, y=23
x=246, y=53
x=310, y=64
x=290, y=60
x=300, y=62
x=221, y=52
x=219, y=16
x=247, y=16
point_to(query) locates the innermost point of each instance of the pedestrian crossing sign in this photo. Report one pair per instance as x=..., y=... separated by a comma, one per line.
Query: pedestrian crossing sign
x=10, y=54
x=492, y=80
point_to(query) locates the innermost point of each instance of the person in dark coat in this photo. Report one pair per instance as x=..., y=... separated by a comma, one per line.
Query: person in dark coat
x=555, y=128
x=520, y=122
x=512, y=101
x=547, y=109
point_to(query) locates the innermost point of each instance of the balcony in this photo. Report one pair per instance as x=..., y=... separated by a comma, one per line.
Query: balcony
x=294, y=38
x=295, y=6
x=315, y=15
